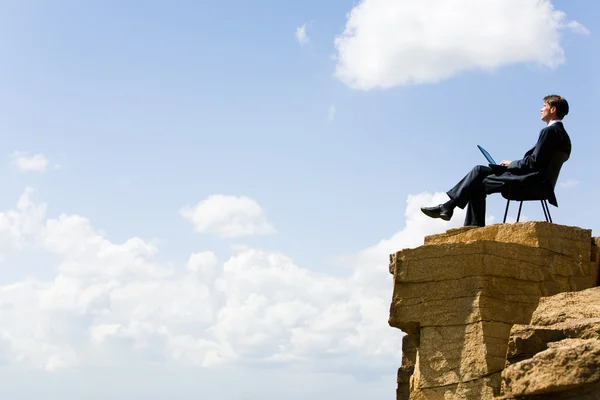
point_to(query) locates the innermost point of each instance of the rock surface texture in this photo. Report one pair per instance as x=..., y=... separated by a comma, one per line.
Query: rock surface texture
x=480, y=325
x=556, y=356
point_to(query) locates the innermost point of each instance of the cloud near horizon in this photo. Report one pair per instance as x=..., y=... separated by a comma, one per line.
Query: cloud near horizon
x=388, y=43
x=110, y=304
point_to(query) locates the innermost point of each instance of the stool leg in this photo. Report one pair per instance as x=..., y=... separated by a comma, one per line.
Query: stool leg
x=549, y=218
x=519, y=214
x=506, y=211
x=544, y=209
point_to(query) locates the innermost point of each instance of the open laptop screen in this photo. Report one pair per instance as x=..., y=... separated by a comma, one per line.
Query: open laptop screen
x=486, y=155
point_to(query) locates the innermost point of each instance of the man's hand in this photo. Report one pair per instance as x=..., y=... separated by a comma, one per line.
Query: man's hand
x=505, y=163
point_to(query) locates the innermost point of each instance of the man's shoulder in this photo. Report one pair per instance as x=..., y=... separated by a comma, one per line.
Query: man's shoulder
x=557, y=134
x=555, y=127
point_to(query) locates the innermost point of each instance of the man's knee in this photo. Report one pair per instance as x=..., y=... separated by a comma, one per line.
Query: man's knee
x=492, y=185
x=481, y=171
x=480, y=168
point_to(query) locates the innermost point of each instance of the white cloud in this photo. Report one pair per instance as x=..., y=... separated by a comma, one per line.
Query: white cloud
x=203, y=263
x=27, y=163
x=301, y=36
x=577, y=27
x=569, y=183
x=111, y=304
x=398, y=42
x=228, y=216
x=331, y=113
x=19, y=224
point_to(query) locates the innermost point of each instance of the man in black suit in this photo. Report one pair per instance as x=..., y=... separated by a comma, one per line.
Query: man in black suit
x=531, y=170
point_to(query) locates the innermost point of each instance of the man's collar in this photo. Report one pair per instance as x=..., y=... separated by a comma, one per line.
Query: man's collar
x=553, y=121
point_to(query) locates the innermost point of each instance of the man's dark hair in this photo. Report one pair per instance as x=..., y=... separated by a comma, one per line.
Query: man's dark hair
x=562, y=107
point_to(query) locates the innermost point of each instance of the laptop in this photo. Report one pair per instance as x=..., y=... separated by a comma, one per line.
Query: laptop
x=497, y=168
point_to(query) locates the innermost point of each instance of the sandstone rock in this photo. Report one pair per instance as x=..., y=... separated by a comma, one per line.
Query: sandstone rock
x=568, y=240
x=457, y=354
x=596, y=250
x=526, y=341
x=558, y=356
x=410, y=345
x=484, y=388
x=563, y=367
x=404, y=375
x=565, y=307
x=459, y=295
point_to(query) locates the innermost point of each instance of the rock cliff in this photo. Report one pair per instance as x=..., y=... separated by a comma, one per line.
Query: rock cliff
x=499, y=312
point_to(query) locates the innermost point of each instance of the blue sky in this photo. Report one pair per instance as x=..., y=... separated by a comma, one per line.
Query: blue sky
x=294, y=174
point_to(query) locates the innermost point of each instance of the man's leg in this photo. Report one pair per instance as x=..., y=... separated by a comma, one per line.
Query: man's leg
x=475, y=215
x=468, y=186
x=461, y=193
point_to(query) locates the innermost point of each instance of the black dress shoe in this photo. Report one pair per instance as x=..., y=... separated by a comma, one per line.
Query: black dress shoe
x=438, y=212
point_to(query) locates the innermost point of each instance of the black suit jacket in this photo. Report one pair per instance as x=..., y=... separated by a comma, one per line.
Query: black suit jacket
x=533, y=168
x=534, y=164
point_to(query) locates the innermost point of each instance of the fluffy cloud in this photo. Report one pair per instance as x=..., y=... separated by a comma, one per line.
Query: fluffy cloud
x=301, y=36
x=112, y=304
x=397, y=42
x=228, y=216
x=27, y=163
x=16, y=225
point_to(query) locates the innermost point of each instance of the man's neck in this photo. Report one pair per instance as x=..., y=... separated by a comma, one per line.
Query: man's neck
x=553, y=121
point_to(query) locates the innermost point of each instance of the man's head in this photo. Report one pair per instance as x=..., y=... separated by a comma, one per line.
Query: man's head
x=555, y=107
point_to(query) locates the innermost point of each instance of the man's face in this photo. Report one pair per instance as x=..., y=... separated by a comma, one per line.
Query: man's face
x=548, y=113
